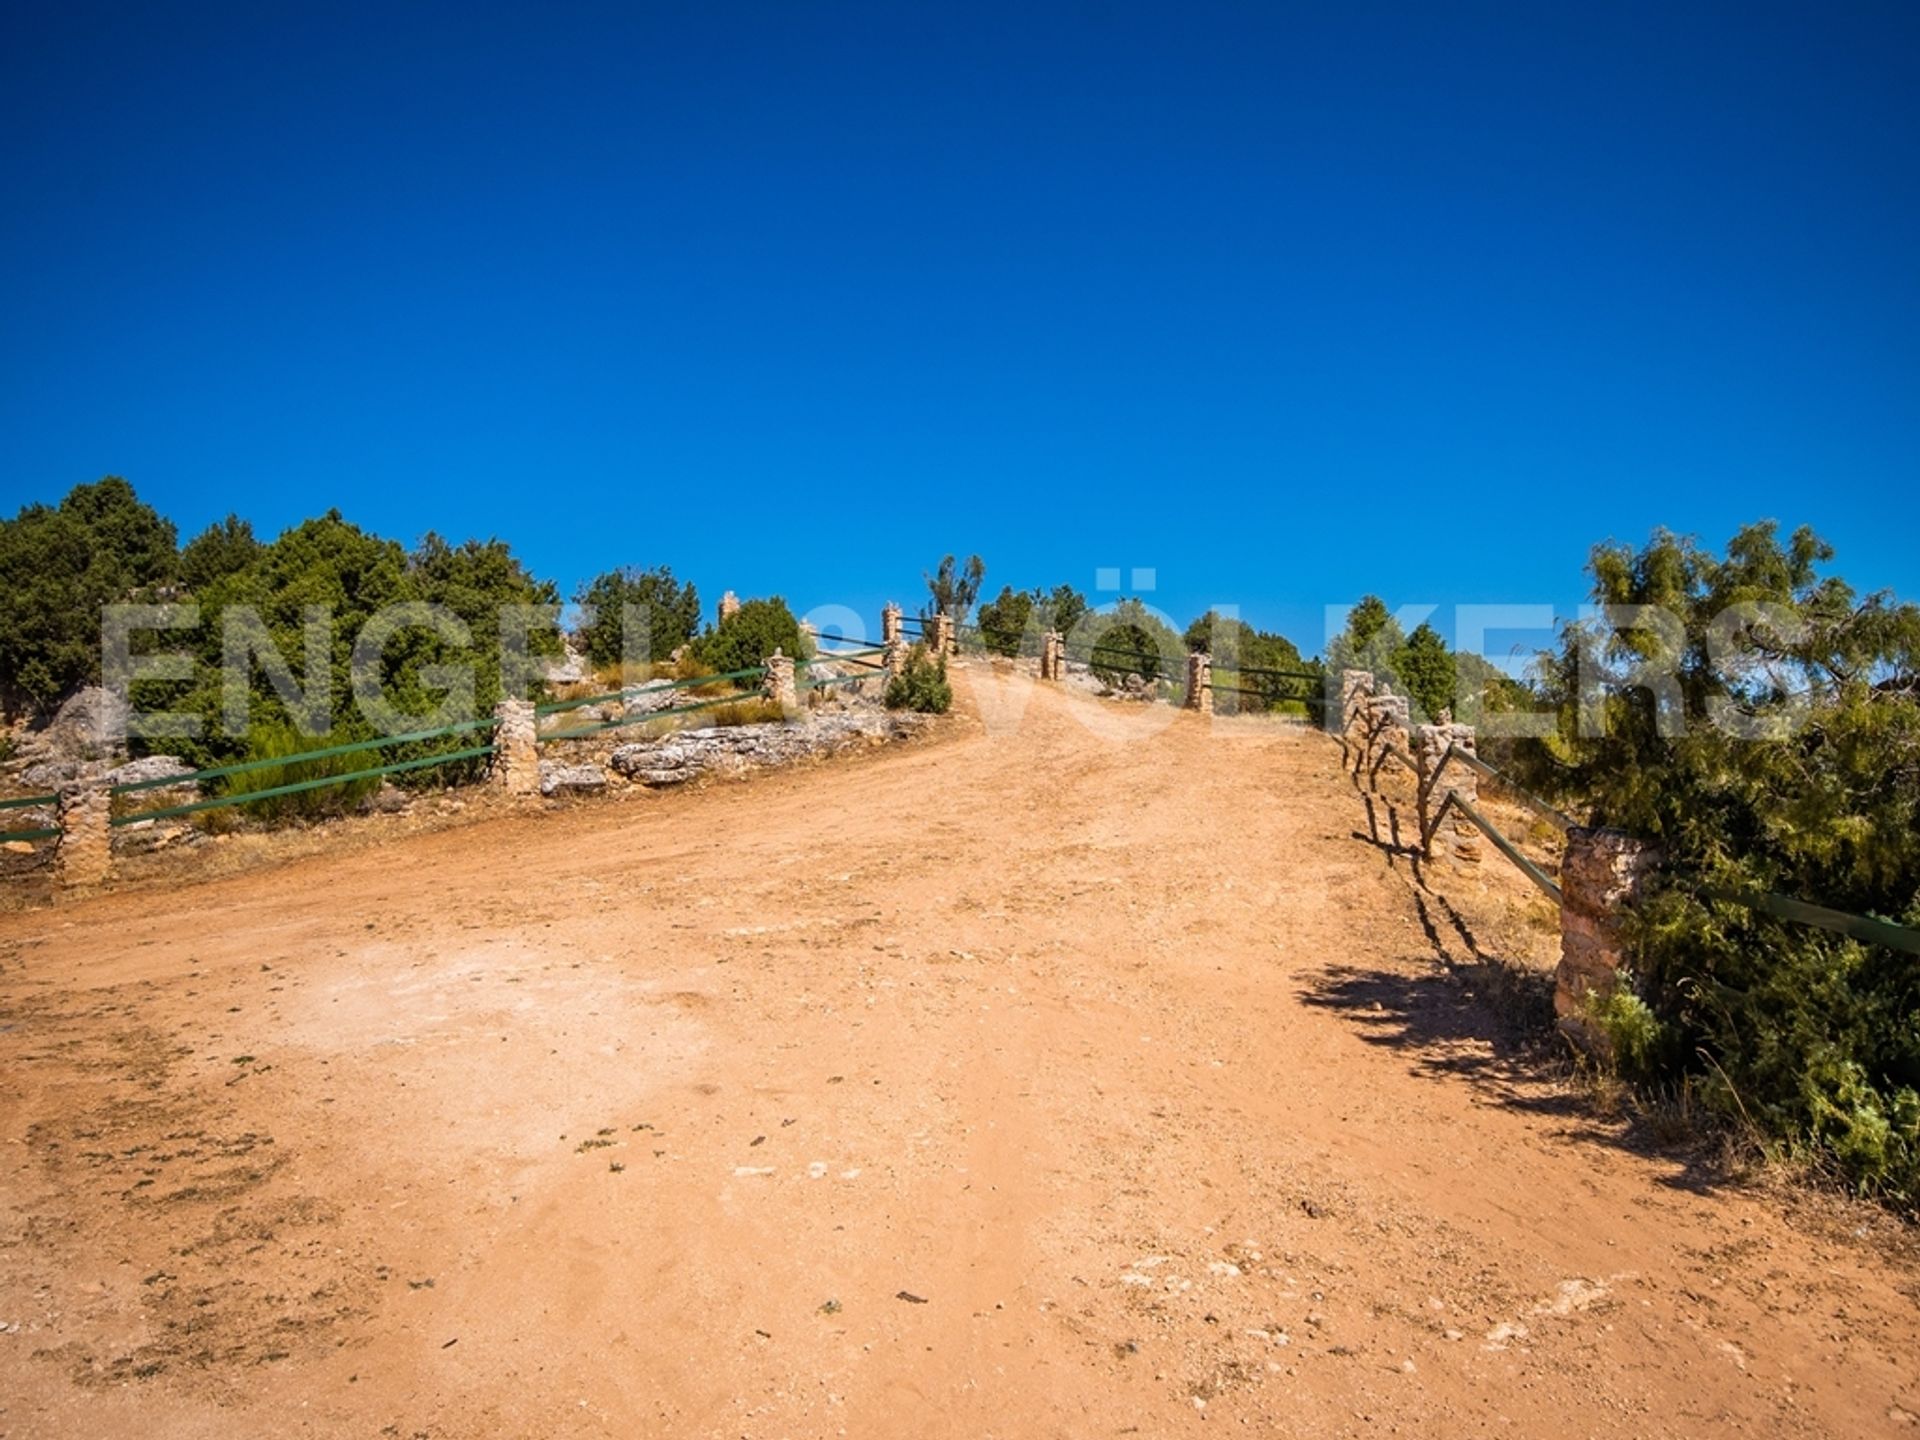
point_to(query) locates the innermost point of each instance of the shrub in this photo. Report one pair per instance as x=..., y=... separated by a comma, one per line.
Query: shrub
x=755, y=711
x=749, y=636
x=1004, y=623
x=921, y=686
x=1131, y=640
x=666, y=614
x=272, y=741
x=1812, y=1037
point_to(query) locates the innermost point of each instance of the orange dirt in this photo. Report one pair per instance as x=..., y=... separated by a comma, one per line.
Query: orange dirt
x=1025, y=1082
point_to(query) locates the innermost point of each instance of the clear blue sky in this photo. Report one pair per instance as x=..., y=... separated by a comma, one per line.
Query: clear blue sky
x=1287, y=303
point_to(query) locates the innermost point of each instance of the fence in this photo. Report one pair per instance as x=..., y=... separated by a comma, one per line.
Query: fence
x=88, y=813
x=1600, y=871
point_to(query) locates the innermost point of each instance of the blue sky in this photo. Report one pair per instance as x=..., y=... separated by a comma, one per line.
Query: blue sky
x=1286, y=303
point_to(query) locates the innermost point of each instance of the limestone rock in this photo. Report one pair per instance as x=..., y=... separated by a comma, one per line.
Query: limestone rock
x=556, y=779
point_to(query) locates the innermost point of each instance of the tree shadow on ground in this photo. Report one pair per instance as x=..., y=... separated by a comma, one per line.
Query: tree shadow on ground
x=1488, y=1022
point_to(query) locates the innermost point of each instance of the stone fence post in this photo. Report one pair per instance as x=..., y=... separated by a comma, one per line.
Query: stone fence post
x=516, y=755
x=1356, y=688
x=1200, y=682
x=1455, y=831
x=889, y=623
x=1053, y=653
x=1385, y=723
x=729, y=606
x=809, y=636
x=1602, y=871
x=778, y=686
x=84, y=853
x=897, y=652
x=940, y=634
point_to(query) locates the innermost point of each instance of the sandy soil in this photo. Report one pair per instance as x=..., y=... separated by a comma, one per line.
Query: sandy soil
x=1030, y=1081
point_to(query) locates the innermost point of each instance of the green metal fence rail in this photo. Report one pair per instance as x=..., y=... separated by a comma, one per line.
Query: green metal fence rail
x=1520, y=792
x=30, y=802
x=1856, y=927
x=1865, y=928
x=692, y=682
x=243, y=767
x=825, y=681
x=624, y=721
x=320, y=783
x=1263, y=670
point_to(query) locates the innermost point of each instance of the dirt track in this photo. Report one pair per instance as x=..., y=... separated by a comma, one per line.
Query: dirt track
x=1021, y=1083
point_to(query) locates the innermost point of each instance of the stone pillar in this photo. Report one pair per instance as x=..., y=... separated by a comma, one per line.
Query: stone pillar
x=1053, y=655
x=889, y=623
x=1200, y=682
x=940, y=635
x=516, y=756
x=1383, y=725
x=1356, y=688
x=810, y=636
x=1455, y=835
x=729, y=606
x=1603, y=870
x=778, y=684
x=84, y=853
x=897, y=652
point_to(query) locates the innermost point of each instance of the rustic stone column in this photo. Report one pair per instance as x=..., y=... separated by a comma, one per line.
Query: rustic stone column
x=1053, y=655
x=778, y=684
x=1384, y=725
x=729, y=606
x=940, y=634
x=1603, y=870
x=1200, y=682
x=810, y=636
x=896, y=656
x=1455, y=835
x=516, y=756
x=84, y=854
x=1356, y=688
x=889, y=623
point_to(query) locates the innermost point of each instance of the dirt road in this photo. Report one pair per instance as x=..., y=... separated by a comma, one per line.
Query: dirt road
x=1023, y=1082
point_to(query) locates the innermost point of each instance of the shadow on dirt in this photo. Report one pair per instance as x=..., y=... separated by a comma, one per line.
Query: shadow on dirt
x=1490, y=1024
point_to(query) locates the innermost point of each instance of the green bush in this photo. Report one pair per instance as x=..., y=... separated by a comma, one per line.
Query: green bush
x=921, y=686
x=1004, y=623
x=273, y=741
x=1811, y=1037
x=750, y=635
x=1129, y=639
x=666, y=614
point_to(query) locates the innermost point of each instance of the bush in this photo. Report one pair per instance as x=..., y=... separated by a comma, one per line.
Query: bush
x=271, y=741
x=749, y=636
x=1812, y=1037
x=666, y=614
x=921, y=686
x=1130, y=640
x=1004, y=623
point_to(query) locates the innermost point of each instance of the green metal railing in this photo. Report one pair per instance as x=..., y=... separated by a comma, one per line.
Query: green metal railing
x=1866, y=928
x=692, y=682
x=29, y=802
x=296, y=787
x=645, y=717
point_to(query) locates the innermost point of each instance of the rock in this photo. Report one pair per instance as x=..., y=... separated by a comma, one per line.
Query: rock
x=555, y=779
x=569, y=669
x=389, y=799
x=18, y=847
x=149, y=767
x=50, y=774
x=92, y=725
x=677, y=758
